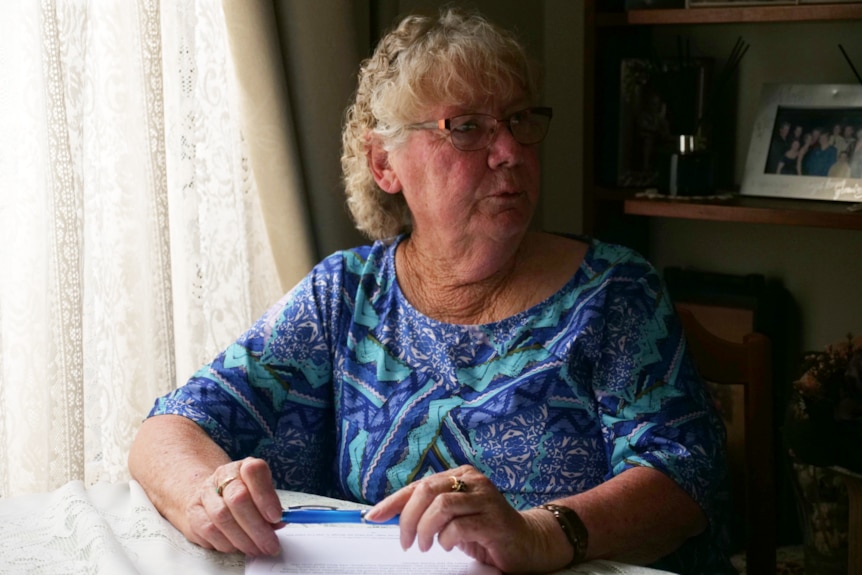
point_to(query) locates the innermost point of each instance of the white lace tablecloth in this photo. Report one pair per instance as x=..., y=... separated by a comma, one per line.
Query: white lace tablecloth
x=114, y=529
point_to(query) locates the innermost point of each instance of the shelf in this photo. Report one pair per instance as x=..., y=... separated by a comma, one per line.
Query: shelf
x=744, y=209
x=612, y=210
x=747, y=14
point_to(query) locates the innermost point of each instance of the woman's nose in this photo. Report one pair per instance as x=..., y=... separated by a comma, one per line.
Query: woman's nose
x=504, y=148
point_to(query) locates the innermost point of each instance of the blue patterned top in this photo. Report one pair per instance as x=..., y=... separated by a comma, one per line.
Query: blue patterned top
x=347, y=390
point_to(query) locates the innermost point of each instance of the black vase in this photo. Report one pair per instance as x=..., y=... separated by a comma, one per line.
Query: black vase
x=687, y=171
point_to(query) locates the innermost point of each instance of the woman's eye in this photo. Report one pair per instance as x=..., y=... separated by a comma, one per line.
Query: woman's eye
x=524, y=117
x=468, y=126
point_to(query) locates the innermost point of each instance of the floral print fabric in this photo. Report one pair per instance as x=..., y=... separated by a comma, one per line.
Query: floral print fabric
x=347, y=390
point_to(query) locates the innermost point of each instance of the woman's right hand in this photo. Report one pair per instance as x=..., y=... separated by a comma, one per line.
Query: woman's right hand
x=236, y=509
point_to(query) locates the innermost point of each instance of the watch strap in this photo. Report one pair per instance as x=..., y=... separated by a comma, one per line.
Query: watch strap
x=573, y=528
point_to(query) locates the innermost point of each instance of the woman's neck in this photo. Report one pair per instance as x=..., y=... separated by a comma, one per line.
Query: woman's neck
x=468, y=283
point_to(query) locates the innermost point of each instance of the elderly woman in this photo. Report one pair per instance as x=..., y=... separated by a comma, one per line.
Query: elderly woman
x=522, y=396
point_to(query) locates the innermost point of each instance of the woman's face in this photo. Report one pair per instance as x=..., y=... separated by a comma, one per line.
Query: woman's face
x=459, y=196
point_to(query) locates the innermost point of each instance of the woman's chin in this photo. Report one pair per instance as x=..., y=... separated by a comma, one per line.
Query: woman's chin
x=510, y=224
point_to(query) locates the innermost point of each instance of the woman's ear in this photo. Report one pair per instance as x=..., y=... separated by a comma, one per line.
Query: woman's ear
x=384, y=174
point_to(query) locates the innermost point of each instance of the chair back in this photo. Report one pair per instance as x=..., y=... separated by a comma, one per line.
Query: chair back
x=739, y=375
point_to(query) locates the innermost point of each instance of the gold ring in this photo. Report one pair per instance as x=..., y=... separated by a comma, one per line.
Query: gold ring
x=223, y=484
x=457, y=484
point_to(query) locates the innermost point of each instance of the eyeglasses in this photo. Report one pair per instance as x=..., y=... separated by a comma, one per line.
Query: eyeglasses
x=472, y=132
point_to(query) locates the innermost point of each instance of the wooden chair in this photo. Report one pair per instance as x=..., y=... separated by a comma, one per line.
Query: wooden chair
x=743, y=371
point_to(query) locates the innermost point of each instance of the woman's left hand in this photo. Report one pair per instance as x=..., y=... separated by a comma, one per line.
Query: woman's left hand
x=477, y=519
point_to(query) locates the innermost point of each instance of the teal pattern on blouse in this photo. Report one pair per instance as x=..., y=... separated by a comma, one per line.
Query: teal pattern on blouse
x=347, y=390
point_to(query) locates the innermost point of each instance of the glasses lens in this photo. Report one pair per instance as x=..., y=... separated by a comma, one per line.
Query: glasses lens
x=530, y=126
x=471, y=132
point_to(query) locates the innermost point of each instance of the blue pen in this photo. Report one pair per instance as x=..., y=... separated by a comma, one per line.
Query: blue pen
x=293, y=515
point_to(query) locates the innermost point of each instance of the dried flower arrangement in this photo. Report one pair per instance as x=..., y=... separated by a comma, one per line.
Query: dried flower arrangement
x=824, y=419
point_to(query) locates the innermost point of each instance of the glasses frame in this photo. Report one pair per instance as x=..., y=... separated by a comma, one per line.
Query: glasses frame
x=445, y=124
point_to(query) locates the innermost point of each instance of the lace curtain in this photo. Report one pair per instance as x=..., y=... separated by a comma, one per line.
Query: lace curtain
x=132, y=246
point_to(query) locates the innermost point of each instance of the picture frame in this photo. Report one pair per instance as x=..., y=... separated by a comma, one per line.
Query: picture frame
x=806, y=143
x=646, y=126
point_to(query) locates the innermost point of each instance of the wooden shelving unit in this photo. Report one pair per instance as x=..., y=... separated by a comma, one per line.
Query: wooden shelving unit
x=751, y=210
x=601, y=203
x=731, y=15
x=618, y=214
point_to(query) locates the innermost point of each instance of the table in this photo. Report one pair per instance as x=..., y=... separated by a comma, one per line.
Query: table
x=115, y=529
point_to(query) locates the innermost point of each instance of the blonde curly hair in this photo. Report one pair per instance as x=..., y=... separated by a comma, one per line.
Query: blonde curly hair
x=454, y=58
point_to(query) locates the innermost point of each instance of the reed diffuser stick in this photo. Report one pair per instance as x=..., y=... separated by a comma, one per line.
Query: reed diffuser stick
x=850, y=62
x=740, y=47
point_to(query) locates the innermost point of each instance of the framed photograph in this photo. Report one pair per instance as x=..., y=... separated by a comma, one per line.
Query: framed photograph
x=806, y=143
x=649, y=98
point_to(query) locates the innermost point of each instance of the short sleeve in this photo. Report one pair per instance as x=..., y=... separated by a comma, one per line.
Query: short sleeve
x=654, y=408
x=269, y=394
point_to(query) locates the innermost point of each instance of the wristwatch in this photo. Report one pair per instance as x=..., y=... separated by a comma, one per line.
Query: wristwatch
x=573, y=528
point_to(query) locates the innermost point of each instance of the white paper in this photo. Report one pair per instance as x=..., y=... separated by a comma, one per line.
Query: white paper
x=360, y=550
x=602, y=567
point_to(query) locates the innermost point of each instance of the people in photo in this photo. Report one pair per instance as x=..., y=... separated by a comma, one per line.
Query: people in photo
x=821, y=157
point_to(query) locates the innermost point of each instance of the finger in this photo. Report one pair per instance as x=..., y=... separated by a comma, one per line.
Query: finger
x=222, y=513
x=458, y=515
x=461, y=532
x=390, y=506
x=424, y=494
x=253, y=528
x=448, y=512
x=394, y=503
x=257, y=476
x=206, y=534
x=476, y=551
